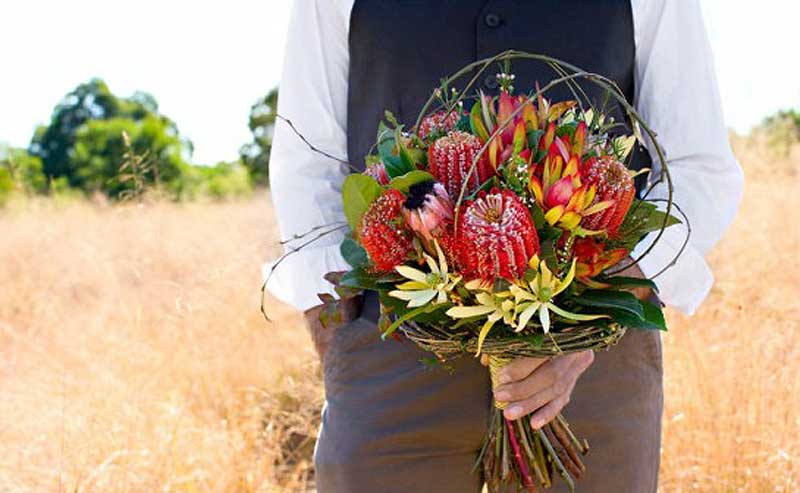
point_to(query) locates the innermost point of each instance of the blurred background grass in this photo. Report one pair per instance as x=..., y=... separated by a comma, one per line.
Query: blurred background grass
x=133, y=356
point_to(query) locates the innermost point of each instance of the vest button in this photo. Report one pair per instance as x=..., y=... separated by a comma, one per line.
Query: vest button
x=490, y=82
x=492, y=20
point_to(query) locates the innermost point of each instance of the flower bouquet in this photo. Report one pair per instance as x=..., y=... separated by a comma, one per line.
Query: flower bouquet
x=496, y=225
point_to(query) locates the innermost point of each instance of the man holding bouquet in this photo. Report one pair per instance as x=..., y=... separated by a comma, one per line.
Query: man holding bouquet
x=390, y=423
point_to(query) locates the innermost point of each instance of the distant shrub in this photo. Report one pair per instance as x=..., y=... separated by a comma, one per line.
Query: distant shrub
x=222, y=181
x=20, y=173
x=7, y=186
x=783, y=131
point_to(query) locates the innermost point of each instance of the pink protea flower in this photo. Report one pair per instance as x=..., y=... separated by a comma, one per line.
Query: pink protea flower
x=450, y=160
x=439, y=122
x=428, y=210
x=378, y=171
x=496, y=237
x=382, y=234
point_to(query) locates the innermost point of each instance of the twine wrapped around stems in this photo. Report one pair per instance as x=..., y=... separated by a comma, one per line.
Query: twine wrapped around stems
x=497, y=363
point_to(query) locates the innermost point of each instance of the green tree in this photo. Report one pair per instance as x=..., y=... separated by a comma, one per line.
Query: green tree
x=23, y=170
x=78, y=146
x=255, y=154
x=99, y=152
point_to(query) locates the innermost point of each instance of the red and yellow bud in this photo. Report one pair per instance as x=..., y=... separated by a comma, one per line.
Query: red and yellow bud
x=593, y=259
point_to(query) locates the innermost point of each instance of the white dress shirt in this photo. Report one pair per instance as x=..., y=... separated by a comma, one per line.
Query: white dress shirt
x=676, y=94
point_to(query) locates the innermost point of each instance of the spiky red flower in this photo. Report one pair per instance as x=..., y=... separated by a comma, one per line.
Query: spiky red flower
x=439, y=122
x=382, y=234
x=613, y=182
x=378, y=171
x=450, y=160
x=496, y=236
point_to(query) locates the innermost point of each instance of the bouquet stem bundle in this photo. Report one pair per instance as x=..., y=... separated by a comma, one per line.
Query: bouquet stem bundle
x=515, y=453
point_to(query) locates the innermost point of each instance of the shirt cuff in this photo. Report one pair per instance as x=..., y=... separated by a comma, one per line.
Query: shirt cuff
x=297, y=280
x=686, y=284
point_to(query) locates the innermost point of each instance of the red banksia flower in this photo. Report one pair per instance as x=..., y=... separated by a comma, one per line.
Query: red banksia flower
x=614, y=183
x=496, y=237
x=439, y=122
x=450, y=160
x=381, y=232
x=378, y=171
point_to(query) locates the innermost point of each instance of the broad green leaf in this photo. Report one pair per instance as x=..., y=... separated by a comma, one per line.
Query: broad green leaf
x=403, y=183
x=623, y=282
x=654, y=315
x=353, y=253
x=361, y=278
x=617, y=300
x=387, y=150
x=358, y=192
x=534, y=136
x=642, y=218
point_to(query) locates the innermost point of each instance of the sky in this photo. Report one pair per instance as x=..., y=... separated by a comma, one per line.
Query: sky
x=207, y=62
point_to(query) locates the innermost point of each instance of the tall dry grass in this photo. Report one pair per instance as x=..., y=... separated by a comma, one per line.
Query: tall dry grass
x=133, y=357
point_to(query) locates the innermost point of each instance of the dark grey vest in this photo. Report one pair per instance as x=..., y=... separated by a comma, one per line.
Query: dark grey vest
x=400, y=50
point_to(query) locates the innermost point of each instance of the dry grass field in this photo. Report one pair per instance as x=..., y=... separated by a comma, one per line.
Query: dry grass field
x=133, y=357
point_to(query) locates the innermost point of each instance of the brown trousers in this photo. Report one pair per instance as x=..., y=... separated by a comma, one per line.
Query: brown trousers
x=392, y=424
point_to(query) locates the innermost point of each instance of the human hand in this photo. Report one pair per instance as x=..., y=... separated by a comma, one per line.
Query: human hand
x=540, y=385
x=322, y=335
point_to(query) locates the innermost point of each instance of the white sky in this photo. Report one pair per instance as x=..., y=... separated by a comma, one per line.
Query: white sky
x=207, y=62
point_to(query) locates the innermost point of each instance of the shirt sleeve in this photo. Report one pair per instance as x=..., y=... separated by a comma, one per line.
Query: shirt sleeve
x=678, y=97
x=305, y=185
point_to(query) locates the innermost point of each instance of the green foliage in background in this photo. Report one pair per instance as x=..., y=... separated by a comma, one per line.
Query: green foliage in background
x=25, y=170
x=783, y=131
x=255, y=154
x=124, y=147
x=83, y=141
x=99, y=152
x=220, y=181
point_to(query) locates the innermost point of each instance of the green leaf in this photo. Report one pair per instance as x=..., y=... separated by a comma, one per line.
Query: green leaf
x=629, y=320
x=642, y=218
x=464, y=124
x=353, y=253
x=358, y=192
x=622, y=282
x=361, y=278
x=617, y=300
x=655, y=221
x=394, y=161
x=403, y=183
x=654, y=315
x=534, y=136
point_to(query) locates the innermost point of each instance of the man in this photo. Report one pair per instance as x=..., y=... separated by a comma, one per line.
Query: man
x=390, y=424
